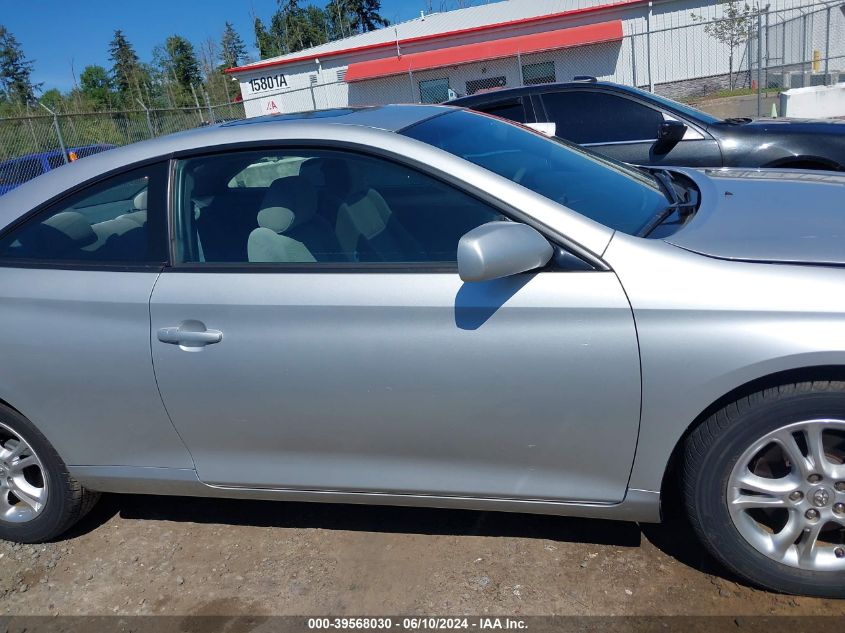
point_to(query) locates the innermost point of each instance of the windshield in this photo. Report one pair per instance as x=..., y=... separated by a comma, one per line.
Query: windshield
x=614, y=194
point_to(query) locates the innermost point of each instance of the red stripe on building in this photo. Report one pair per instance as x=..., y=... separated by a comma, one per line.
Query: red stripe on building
x=483, y=51
x=436, y=36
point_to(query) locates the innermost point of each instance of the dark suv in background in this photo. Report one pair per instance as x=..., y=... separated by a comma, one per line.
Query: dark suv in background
x=646, y=129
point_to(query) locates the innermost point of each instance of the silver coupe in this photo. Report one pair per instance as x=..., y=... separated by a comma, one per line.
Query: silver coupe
x=421, y=305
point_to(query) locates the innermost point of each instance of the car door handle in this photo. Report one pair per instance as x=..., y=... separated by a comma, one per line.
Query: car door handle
x=190, y=335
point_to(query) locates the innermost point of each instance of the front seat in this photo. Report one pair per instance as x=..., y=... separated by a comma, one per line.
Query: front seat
x=367, y=227
x=267, y=244
x=299, y=221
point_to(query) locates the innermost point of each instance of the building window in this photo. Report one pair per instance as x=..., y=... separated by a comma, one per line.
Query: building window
x=488, y=83
x=434, y=90
x=341, y=74
x=540, y=73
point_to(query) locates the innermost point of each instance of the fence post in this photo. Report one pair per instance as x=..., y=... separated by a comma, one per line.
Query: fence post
x=648, y=48
x=827, y=45
x=411, y=84
x=149, y=120
x=519, y=68
x=58, y=130
x=759, y=63
x=211, y=118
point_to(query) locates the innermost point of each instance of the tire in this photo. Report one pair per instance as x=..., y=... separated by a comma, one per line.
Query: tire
x=752, y=437
x=65, y=501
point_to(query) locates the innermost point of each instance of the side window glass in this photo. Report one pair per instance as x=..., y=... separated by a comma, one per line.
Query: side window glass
x=512, y=110
x=122, y=219
x=338, y=207
x=584, y=116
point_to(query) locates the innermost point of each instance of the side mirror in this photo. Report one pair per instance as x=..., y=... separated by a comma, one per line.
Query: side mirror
x=501, y=249
x=670, y=132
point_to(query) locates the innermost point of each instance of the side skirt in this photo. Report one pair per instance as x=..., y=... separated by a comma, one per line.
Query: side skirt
x=641, y=506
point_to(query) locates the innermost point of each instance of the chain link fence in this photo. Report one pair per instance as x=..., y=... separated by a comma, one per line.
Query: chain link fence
x=787, y=46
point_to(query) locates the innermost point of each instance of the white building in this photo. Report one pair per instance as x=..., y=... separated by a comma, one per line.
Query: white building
x=662, y=45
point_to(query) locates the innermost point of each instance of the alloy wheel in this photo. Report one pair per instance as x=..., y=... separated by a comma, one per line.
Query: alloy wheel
x=23, y=480
x=786, y=495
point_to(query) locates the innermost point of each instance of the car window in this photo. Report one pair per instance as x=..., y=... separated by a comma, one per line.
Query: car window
x=338, y=207
x=585, y=116
x=16, y=172
x=511, y=109
x=121, y=219
x=265, y=170
x=617, y=195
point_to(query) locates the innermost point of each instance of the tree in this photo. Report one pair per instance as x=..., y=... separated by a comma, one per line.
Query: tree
x=53, y=99
x=182, y=66
x=127, y=74
x=734, y=28
x=232, y=47
x=15, y=71
x=266, y=43
x=365, y=15
x=96, y=87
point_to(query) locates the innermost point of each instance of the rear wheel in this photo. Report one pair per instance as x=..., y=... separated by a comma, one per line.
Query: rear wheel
x=764, y=485
x=38, y=498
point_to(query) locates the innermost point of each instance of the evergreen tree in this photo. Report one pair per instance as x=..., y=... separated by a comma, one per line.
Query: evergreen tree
x=15, y=71
x=182, y=66
x=266, y=43
x=232, y=47
x=127, y=74
x=365, y=15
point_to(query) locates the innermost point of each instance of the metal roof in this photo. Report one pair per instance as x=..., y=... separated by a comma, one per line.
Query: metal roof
x=487, y=16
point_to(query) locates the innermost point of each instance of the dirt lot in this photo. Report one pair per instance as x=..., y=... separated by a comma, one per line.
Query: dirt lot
x=148, y=555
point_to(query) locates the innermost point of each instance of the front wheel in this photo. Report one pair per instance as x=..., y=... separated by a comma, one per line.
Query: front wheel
x=764, y=487
x=38, y=498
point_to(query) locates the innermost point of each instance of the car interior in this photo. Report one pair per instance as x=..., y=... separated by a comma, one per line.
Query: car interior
x=109, y=225
x=322, y=207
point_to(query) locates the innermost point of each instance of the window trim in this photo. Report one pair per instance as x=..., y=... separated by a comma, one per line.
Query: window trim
x=79, y=188
x=173, y=265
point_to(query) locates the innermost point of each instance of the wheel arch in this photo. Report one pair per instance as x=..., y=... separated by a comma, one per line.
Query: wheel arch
x=801, y=374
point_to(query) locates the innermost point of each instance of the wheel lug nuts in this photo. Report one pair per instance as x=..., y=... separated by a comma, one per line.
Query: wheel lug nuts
x=797, y=495
x=812, y=514
x=814, y=479
x=839, y=508
x=840, y=486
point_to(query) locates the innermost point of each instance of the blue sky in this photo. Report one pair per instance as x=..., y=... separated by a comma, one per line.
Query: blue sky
x=55, y=33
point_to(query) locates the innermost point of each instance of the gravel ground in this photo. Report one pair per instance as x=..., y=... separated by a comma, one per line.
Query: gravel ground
x=178, y=556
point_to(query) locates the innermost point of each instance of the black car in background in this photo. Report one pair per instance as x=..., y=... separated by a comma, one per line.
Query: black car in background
x=646, y=129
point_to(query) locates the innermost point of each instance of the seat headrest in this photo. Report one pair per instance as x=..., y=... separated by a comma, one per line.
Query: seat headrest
x=140, y=200
x=73, y=226
x=277, y=219
x=293, y=196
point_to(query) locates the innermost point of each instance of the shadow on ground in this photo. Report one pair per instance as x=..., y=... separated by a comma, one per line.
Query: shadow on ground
x=674, y=537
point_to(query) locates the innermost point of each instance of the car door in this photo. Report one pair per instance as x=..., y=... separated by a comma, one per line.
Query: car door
x=75, y=282
x=625, y=129
x=373, y=368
